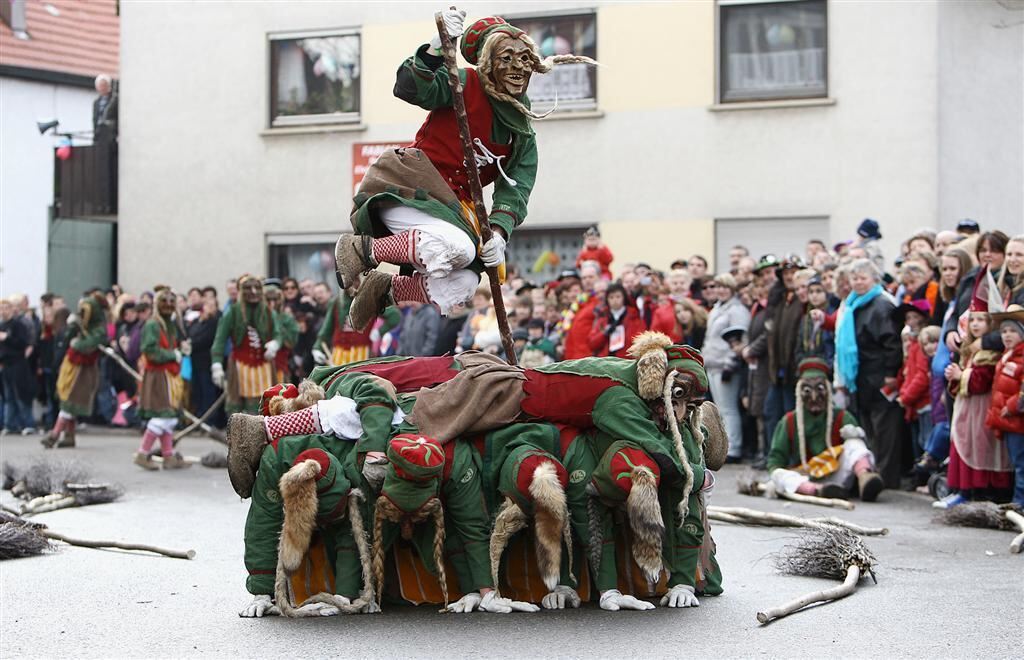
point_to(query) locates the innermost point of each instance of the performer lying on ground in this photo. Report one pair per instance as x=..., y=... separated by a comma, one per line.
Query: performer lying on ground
x=414, y=207
x=819, y=449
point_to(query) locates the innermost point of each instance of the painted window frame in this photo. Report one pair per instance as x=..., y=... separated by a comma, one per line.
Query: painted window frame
x=333, y=118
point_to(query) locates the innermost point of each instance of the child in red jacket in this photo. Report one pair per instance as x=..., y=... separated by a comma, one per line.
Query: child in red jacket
x=1006, y=413
x=595, y=250
x=915, y=377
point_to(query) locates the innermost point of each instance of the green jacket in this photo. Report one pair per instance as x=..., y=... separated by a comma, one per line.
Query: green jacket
x=235, y=322
x=785, y=450
x=150, y=341
x=376, y=404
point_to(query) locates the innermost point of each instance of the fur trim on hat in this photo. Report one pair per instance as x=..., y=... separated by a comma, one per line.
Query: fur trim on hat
x=551, y=514
x=646, y=522
x=309, y=394
x=651, y=362
x=510, y=519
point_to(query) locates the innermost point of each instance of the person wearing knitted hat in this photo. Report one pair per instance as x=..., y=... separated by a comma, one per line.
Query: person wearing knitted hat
x=355, y=401
x=160, y=396
x=302, y=488
x=337, y=342
x=819, y=449
x=255, y=341
x=627, y=398
x=414, y=207
x=524, y=485
x=422, y=482
x=288, y=328
x=79, y=378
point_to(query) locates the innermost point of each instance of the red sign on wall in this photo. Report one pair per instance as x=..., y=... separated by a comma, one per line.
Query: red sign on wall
x=365, y=154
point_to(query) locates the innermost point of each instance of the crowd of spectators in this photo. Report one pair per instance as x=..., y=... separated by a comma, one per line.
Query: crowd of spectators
x=912, y=346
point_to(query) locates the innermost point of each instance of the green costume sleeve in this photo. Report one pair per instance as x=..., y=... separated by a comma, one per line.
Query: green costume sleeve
x=263, y=526
x=90, y=340
x=778, y=455
x=508, y=204
x=348, y=575
x=150, y=345
x=327, y=327
x=466, y=520
x=606, y=577
x=289, y=329
x=682, y=543
x=220, y=339
x=391, y=317
x=423, y=80
x=376, y=404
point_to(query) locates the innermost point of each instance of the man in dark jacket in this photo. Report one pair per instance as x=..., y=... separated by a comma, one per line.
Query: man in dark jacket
x=15, y=374
x=784, y=313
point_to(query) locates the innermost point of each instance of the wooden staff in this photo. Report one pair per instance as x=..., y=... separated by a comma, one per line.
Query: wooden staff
x=744, y=516
x=823, y=596
x=476, y=189
x=176, y=554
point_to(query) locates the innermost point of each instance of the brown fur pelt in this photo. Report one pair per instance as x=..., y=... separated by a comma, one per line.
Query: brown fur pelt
x=510, y=520
x=648, y=349
x=551, y=519
x=716, y=440
x=309, y=394
x=988, y=515
x=645, y=520
x=539, y=66
x=386, y=511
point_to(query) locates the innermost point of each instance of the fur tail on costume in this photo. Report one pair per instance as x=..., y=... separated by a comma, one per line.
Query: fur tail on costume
x=551, y=514
x=510, y=519
x=646, y=522
x=309, y=394
x=648, y=349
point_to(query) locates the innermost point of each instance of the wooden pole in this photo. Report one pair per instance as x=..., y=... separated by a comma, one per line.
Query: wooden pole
x=476, y=189
x=835, y=593
x=176, y=554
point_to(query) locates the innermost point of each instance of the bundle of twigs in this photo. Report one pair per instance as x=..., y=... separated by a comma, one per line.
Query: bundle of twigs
x=744, y=516
x=988, y=515
x=829, y=552
x=16, y=536
x=48, y=484
x=747, y=483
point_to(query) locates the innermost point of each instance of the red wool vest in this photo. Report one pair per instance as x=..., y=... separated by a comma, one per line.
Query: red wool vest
x=438, y=137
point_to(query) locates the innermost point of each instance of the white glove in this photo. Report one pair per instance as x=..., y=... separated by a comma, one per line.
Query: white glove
x=680, y=595
x=177, y=356
x=467, y=603
x=851, y=432
x=613, y=600
x=217, y=373
x=559, y=597
x=709, y=483
x=319, y=356
x=453, y=20
x=492, y=602
x=493, y=251
x=260, y=605
x=270, y=349
x=186, y=347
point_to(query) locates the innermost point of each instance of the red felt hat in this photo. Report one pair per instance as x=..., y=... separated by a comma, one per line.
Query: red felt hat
x=475, y=35
x=416, y=457
x=286, y=390
x=613, y=476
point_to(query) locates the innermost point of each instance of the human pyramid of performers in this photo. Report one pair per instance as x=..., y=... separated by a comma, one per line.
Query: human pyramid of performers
x=465, y=481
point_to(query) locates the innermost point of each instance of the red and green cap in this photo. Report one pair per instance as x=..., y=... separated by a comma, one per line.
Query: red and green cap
x=331, y=484
x=812, y=367
x=414, y=471
x=688, y=360
x=286, y=390
x=517, y=474
x=613, y=476
x=475, y=35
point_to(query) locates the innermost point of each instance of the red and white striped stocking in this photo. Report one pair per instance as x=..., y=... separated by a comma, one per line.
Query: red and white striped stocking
x=410, y=288
x=300, y=422
x=397, y=249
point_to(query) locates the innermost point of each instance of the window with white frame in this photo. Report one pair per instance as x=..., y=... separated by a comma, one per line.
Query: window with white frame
x=314, y=77
x=569, y=86
x=772, y=50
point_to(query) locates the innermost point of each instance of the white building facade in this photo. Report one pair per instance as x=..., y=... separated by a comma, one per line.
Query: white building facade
x=709, y=124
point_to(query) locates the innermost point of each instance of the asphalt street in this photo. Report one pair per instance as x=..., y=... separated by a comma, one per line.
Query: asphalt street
x=941, y=592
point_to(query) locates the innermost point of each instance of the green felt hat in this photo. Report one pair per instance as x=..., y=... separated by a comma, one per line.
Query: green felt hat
x=688, y=360
x=476, y=34
x=613, y=476
x=812, y=367
x=414, y=471
x=517, y=474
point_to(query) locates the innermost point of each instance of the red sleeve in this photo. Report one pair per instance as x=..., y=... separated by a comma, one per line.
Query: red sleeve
x=605, y=257
x=981, y=379
x=830, y=322
x=596, y=340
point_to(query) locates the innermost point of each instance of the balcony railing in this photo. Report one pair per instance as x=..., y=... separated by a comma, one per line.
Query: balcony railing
x=85, y=185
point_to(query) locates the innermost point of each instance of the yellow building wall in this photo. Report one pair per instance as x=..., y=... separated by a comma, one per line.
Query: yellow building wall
x=384, y=48
x=655, y=55
x=658, y=242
